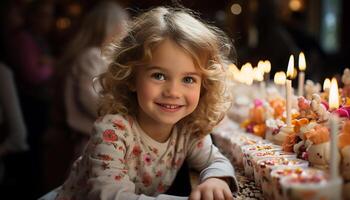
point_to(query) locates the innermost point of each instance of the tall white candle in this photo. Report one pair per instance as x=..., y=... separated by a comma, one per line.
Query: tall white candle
x=289, y=90
x=334, y=162
x=301, y=76
x=333, y=122
x=289, y=102
x=301, y=80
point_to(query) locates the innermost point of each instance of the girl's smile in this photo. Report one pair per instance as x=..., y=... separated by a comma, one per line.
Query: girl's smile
x=169, y=107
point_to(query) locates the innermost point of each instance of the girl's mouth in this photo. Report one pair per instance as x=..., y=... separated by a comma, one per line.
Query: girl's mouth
x=169, y=107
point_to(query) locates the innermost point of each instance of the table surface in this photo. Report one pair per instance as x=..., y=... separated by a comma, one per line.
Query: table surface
x=247, y=188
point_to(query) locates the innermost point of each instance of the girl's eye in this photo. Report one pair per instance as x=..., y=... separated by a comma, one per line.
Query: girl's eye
x=158, y=76
x=189, y=79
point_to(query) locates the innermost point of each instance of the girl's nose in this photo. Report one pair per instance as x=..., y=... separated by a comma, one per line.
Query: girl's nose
x=172, y=90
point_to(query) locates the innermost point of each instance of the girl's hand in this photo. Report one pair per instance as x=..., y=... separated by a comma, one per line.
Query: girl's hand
x=212, y=189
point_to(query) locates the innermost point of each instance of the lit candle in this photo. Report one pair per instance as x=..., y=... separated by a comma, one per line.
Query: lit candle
x=326, y=85
x=302, y=67
x=290, y=70
x=333, y=95
x=333, y=122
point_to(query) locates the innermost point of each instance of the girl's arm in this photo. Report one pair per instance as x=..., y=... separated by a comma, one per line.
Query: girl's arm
x=203, y=156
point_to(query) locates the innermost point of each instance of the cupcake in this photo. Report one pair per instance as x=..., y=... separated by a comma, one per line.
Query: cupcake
x=256, y=156
x=289, y=171
x=239, y=143
x=266, y=165
x=247, y=156
x=311, y=186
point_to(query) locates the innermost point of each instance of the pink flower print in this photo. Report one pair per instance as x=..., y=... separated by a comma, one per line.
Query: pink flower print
x=130, y=120
x=109, y=136
x=155, y=150
x=105, y=166
x=178, y=162
x=121, y=148
x=147, y=159
x=136, y=151
x=200, y=144
x=121, y=160
x=118, y=177
x=104, y=157
x=160, y=188
x=159, y=173
x=119, y=124
x=146, y=179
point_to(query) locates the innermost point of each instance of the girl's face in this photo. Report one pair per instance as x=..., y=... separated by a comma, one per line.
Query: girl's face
x=168, y=89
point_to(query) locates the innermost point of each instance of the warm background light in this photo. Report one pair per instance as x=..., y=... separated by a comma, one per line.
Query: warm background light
x=258, y=74
x=261, y=65
x=236, y=9
x=233, y=70
x=247, y=73
x=295, y=5
x=267, y=66
x=63, y=23
x=279, y=78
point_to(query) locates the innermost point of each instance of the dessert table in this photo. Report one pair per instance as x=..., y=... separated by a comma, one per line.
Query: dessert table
x=247, y=188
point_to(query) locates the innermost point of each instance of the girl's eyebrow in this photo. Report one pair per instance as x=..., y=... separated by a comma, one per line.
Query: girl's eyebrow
x=192, y=74
x=155, y=67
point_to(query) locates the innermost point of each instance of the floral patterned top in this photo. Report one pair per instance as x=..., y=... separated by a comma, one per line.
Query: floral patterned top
x=122, y=162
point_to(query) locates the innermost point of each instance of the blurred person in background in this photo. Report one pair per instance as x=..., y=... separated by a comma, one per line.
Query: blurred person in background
x=27, y=53
x=75, y=101
x=13, y=144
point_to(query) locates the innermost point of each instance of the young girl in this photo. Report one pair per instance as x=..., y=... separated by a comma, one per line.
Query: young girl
x=165, y=90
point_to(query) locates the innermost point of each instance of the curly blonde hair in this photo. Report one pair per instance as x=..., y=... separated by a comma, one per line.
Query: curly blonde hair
x=207, y=45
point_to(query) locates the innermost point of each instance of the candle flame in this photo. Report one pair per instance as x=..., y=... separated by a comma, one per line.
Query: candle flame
x=267, y=66
x=302, y=62
x=334, y=95
x=326, y=84
x=290, y=69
